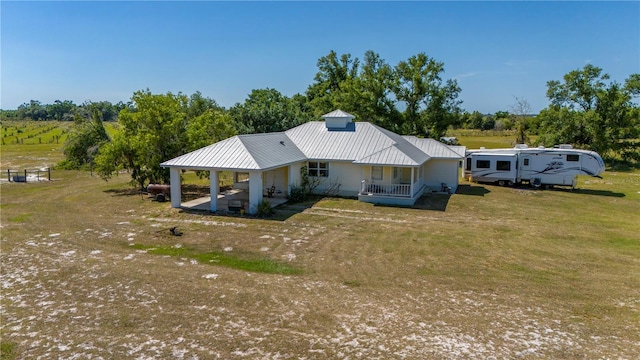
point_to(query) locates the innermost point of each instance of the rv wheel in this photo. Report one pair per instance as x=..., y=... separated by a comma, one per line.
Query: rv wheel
x=509, y=183
x=501, y=182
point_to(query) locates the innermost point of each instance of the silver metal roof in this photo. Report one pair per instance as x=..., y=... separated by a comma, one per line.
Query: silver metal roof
x=359, y=142
x=242, y=152
x=436, y=149
x=338, y=114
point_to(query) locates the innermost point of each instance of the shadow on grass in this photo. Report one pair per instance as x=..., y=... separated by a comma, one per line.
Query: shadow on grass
x=437, y=202
x=475, y=190
x=281, y=212
x=591, y=192
x=126, y=192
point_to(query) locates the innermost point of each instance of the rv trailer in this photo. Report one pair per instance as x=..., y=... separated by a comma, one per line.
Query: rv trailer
x=539, y=167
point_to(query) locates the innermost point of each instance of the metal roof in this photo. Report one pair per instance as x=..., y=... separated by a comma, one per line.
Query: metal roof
x=242, y=152
x=338, y=114
x=359, y=142
x=436, y=149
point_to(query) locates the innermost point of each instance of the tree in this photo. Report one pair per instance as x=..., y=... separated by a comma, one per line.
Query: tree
x=84, y=141
x=589, y=112
x=61, y=110
x=332, y=83
x=267, y=110
x=156, y=128
x=521, y=109
x=375, y=91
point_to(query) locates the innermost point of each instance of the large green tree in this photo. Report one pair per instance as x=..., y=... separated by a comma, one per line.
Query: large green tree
x=267, y=110
x=84, y=141
x=410, y=98
x=591, y=112
x=158, y=127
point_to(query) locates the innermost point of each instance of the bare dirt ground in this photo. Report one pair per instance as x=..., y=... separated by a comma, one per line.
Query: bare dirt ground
x=76, y=289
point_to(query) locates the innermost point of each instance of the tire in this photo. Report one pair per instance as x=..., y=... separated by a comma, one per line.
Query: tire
x=160, y=198
x=510, y=183
x=501, y=182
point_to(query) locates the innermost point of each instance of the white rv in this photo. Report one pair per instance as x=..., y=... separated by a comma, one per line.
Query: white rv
x=539, y=167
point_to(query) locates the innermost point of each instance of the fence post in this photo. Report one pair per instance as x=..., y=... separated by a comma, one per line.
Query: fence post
x=25, y=175
x=49, y=173
x=9, y=174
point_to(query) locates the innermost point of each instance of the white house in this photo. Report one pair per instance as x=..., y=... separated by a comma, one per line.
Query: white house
x=346, y=158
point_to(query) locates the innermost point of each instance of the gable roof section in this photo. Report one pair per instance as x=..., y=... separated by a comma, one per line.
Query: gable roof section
x=242, y=152
x=436, y=149
x=365, y=144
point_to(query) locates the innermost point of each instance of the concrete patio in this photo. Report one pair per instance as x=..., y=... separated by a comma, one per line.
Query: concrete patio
x=237, y=197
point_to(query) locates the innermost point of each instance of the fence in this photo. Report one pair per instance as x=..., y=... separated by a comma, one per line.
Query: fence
x=29, y=175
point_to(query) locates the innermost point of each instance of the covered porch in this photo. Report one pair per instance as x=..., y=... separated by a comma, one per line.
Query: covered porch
x=233, y=200
x=249, y=189
x=392, y=184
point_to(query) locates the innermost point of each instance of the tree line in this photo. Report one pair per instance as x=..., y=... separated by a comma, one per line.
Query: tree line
x=411, y=98
x=64, y=110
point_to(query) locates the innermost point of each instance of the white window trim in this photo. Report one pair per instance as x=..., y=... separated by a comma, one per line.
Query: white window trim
x=318, y=169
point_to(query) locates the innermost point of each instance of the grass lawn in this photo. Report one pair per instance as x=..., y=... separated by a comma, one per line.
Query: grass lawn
x=90, y=269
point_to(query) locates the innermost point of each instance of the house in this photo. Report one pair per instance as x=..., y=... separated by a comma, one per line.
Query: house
x=343, y=157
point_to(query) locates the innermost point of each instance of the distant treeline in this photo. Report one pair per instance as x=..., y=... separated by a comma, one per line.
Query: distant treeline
x=65, y=110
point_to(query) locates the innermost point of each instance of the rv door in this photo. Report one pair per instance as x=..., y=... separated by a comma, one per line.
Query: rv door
x=524, y=168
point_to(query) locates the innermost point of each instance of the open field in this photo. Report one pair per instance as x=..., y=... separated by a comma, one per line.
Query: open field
x=90, y=270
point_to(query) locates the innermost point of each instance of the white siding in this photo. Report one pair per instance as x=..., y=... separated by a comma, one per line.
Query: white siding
x=344, y=173
x=438, y=171
x=277, y=178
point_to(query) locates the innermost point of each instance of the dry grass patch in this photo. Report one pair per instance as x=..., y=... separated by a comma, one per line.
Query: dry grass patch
x=489, y=272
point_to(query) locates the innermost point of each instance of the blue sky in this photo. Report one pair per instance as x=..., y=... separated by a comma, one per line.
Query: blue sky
x=496, y=50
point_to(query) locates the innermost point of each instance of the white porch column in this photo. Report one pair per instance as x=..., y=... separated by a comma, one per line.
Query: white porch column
x=214, y=187
x=176, y=187
x=255, y=190
x=412, y=180
x=288, y=185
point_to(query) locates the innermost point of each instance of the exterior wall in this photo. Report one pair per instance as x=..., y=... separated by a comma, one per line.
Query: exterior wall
x=278, y=178
x=346, y=174
x=294, y=175
x=438, y=171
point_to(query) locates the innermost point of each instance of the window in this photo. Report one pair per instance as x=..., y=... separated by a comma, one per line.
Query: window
x=318, y=169
x=503, y=165
x=468, y=166
x=483, y=164
x=525, y=162
x=396, y=172
x=573, y=157
x=376, y=173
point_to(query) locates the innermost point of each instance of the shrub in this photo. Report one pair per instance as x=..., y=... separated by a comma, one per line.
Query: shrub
x=264, y=208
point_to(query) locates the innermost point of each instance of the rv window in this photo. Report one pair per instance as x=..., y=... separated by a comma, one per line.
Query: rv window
x=483, y=164
x=573, y=157
x=468, y=166
x=525, y=162
x=503, y=165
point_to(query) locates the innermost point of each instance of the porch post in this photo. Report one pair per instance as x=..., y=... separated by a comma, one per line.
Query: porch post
x=412, y=180
x=176, y=187
x=214, y=187
x=255, y=190
x=289, y=179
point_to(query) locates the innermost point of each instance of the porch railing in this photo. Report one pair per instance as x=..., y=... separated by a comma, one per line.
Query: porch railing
x=398, y=190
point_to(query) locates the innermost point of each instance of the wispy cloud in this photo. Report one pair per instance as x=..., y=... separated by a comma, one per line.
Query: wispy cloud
x=466, y=75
